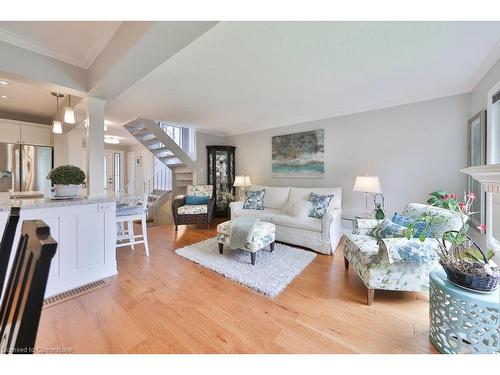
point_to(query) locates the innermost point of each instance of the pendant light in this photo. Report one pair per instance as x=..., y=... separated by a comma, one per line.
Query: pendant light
x=69, y=113
x=56, y=124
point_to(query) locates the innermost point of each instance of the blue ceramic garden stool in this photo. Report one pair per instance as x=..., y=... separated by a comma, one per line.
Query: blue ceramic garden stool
x=462, y=321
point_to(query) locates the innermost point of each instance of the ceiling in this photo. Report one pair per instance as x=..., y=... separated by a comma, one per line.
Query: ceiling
x=245, y=76
x=76, y=43
x=239, y=77
x=27, y=99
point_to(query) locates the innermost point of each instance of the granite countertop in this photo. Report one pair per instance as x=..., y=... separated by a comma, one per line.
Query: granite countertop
x=31, y=203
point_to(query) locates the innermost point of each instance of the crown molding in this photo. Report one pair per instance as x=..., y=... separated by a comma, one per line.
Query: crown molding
x=106, y=32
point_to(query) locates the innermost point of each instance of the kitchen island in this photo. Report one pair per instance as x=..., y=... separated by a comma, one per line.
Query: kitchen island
x=85, y=231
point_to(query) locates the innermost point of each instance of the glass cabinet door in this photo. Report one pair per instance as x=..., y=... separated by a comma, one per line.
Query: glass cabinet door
x=221, y=171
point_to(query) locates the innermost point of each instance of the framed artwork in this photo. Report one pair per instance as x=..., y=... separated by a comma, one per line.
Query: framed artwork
x=299, y=154
x=477, y=156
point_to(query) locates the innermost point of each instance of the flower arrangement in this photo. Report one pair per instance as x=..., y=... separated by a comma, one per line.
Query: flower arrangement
x=460, y=256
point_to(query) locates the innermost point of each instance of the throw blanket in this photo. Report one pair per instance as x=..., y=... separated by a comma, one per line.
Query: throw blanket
x=410, y=251
x=241, y=231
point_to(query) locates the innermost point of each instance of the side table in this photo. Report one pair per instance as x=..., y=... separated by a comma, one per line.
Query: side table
x=462, y=321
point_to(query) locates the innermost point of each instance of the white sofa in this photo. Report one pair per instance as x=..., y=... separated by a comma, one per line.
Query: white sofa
x=321, y=235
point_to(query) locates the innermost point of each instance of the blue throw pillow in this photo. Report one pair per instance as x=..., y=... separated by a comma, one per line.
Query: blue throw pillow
x=196, y=199
x=320, y=204
x=405, y=221
x=254, y=200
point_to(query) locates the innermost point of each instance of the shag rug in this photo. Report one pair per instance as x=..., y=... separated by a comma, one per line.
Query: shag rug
x=271, y=273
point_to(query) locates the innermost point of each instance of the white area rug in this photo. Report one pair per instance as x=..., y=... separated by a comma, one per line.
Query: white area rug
x=271, y=273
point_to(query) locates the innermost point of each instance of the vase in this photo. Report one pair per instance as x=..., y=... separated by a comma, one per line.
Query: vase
x=66, y=190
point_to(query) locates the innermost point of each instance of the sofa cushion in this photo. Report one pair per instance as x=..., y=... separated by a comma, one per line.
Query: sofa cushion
x=298, y=209
x=130, y=210
x=196, y=199
x=254, y=200
x=388, y=229
x=192, y=209
x=320, y=204
x=307, y=223
x=304, y=193
x=406, y=221
x=276, y=197
x=266, y=214
x=200, y=190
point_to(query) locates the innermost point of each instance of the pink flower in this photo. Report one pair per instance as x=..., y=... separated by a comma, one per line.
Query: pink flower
x=472, y=196
x=481, y=228
x=461, y=205
x=453, y=196
x=446, y=197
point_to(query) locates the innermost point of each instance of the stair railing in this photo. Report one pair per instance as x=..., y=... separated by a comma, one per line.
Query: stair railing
x=161, y=180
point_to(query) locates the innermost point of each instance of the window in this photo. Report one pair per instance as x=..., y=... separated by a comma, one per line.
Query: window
x=174, y=132
x=117, y=171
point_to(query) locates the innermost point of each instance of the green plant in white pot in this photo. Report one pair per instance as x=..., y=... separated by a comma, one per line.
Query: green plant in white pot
x=67, y=180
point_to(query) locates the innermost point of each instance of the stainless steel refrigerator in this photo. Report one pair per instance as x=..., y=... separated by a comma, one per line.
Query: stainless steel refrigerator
x=24, y=167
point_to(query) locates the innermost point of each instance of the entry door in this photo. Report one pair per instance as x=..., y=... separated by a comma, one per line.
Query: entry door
x=113, y=171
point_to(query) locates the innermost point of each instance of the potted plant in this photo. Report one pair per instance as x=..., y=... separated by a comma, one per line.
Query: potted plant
x=67, y=180
x=464, y=262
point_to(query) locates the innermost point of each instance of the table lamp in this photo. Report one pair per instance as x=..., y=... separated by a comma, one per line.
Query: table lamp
x=367, y=184
x=241, y=182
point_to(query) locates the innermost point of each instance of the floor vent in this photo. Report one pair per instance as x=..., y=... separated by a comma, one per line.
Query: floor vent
x=73, y=293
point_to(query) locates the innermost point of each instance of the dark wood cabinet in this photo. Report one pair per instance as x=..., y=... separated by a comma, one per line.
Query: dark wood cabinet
x=221, y=172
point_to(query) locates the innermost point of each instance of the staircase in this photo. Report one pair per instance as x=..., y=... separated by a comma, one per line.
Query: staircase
x=156, y=140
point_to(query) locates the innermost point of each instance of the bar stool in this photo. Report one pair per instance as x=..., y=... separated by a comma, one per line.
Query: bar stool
x=125, y=235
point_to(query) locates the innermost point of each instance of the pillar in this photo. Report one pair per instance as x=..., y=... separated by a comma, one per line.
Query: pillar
x=95, y=147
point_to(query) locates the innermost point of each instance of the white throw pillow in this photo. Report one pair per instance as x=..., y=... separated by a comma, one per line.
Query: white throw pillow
x=299, y=209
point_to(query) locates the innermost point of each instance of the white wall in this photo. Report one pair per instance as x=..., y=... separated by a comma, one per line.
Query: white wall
x=414, y=148
x=60, y=149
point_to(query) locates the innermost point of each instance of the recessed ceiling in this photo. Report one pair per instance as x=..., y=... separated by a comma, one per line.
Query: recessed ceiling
x=77, y=43
x=27, y=99
x=245, y=76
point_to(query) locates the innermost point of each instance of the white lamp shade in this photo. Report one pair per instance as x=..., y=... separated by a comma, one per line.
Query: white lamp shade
x=56, y=127
x=367, y=184
x=242, y=181
x=69, y=115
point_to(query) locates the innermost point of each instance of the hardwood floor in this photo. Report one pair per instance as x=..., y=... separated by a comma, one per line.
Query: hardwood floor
x=167, y=304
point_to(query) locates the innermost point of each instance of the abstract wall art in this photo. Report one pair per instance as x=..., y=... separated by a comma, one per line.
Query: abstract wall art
x=299, y=154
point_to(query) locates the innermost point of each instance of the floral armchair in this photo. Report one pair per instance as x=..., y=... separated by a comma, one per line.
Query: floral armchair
x=397, y=263
x=196, y=213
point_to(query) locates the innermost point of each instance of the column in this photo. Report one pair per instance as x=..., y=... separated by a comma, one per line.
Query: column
x=95, y=147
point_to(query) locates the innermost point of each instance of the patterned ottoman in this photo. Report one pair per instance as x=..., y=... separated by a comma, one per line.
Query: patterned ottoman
x=263, y=236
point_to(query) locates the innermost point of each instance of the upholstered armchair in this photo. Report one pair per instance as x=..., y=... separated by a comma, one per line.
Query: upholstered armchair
x=397, y=263
x=194, y=213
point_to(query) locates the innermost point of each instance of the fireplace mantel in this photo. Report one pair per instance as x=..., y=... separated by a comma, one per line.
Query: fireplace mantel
x=487, y=175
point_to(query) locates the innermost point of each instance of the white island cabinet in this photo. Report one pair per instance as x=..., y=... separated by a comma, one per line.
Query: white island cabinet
x=85, y=231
